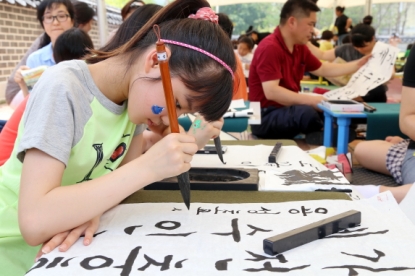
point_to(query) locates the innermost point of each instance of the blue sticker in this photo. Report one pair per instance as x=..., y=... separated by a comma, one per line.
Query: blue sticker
x=157, y=109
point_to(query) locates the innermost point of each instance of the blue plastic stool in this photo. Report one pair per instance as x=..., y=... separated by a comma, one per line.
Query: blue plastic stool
x=343, y=122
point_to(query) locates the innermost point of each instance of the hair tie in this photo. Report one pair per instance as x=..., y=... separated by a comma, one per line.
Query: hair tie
x=205, y=14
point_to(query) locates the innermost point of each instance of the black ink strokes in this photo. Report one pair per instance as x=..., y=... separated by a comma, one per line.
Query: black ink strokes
x=66, y=263
x=379, y=254
x=305, y=211
x=172, y=235
x=270, y=268
x=41, y=262
x=256, y=229
x=130, y=229
x=165, y=265
x=301, y=177
x=259, y=258
x=176, y=209
x=86, y=263
x=179, y=264
x=128, y=264
x=345, y=234
x=353, y=272
x=222, y=264
x=55, y=262
x=96, y=234
x=263, y=211
x=164, y=225
x=235, y=231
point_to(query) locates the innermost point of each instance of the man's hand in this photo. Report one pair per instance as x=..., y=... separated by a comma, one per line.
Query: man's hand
x=363, y=60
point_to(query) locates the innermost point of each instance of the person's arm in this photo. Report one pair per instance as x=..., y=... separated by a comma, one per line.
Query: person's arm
x=348, y=24
x=46, y=208
x=274, y=92
x=12, y=88
x=337, y=69
x=322, y=55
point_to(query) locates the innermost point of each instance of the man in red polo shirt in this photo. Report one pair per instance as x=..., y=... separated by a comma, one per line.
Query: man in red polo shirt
x=279, y=64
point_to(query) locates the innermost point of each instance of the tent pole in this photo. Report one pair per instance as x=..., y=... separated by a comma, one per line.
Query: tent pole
x=102, y=22
x=368, y=7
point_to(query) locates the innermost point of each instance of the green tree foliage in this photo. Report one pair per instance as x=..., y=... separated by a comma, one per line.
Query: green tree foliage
x=264, y=17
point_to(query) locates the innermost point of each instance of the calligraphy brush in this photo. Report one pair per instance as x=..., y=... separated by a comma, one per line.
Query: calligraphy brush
x=163, y=62
x=218, y=146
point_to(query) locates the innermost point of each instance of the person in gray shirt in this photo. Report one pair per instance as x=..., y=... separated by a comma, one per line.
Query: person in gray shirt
x=362, y=43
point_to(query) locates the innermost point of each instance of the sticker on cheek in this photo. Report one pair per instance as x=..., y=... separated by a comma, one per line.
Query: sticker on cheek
x=157, y=109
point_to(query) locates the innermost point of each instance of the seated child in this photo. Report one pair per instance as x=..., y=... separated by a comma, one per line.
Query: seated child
x=244, y=51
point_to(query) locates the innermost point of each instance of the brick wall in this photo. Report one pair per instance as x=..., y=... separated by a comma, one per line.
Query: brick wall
x=18, y=29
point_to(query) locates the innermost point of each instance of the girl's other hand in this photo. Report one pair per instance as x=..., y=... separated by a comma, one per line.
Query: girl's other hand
x=171, y=156
x=66, y=239
x=203, y=130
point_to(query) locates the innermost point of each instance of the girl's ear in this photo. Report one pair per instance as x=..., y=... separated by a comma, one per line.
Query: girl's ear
x=151, y=59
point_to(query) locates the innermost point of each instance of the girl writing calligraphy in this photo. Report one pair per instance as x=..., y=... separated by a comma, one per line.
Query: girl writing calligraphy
x=79, y=146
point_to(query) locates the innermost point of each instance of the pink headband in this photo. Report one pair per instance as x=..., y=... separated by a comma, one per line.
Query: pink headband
x=201, y=51
x=202, y=14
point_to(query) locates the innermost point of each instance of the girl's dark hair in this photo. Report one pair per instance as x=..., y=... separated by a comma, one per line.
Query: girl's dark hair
x=211, y=82
x=48, y=4
x=130, y=6
x=361, y=34
x=327, y=35
x=83, y=13
x=297, y=8
x=72, y=44
x=131, y=26
x=340, y=9
x=247, y=40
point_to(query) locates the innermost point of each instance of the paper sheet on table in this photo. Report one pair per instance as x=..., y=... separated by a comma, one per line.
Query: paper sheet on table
x=295, y=170
x=375, y=72
x=237, y=104
x=227, y=239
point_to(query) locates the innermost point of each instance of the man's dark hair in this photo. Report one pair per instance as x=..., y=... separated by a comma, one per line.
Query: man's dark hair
x=327, y=35
x=297, y=8
x=83, y=13
x=340, y=9
x=361, y=34
x=225, y=23
x=347, y=39
x=368, y=20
